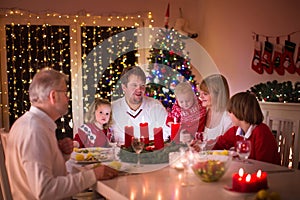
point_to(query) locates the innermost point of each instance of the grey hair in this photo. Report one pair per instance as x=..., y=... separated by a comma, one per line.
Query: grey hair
x=43, y=82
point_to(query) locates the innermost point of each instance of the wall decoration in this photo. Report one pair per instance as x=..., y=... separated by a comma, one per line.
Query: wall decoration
x=273, y=91
x=275, y=57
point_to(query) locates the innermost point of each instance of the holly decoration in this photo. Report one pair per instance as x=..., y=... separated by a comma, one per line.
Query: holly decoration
x=273, y=91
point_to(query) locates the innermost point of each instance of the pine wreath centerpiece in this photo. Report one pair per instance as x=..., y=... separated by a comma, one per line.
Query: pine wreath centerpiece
x=273, y=91
x=148, y=155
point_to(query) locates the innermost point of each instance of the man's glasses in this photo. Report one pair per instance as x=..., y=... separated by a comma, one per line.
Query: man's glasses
x=67, y=93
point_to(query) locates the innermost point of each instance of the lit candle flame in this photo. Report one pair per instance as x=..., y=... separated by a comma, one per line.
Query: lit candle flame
x=175, y=120
x=241, y=172
x=248, y=178
x=258, y=174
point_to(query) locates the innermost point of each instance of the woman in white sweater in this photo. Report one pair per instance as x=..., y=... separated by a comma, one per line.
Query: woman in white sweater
x=214, y=94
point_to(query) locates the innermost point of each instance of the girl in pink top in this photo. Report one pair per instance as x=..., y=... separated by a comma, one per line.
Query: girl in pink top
x=96, y=132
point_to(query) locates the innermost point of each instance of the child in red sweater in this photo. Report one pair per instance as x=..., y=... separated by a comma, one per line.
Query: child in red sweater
x=247, y=118
x=187, y=110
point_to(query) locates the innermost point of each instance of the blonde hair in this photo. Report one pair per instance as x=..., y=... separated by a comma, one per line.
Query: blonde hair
x=184, y=88
x=90, y=115
x=216, y=85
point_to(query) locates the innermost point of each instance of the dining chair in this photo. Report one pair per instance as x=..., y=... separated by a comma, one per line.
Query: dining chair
x=288, y=140
x=4, y=182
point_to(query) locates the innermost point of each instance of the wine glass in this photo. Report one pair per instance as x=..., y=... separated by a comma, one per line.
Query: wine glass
x=185, y=137
x=113, y=142
x=186, y=159
x=243, y=149
x=203, y=140
x=137, y=145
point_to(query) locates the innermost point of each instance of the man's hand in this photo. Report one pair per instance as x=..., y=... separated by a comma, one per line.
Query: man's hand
x=66, y=145
x=104, y=172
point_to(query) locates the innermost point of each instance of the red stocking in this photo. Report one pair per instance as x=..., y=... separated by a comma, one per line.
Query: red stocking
x=287, y=60
x=256, y=61
x=266, y=58
x=276, y=59
x=298, y=61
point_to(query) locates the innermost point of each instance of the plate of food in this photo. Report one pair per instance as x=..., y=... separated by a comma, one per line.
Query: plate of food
x=92, y=155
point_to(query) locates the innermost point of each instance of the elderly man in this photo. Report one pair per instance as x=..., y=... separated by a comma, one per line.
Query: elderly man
x=36, y=161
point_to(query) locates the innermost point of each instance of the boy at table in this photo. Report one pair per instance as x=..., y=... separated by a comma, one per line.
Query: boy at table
x=247, y=118
x=36, y=161
x=135, y=108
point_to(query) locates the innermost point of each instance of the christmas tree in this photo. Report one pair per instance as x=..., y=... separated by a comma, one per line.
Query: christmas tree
x=169, y=65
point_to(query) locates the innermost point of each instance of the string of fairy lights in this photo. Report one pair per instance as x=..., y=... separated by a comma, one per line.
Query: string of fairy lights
x=30, y=47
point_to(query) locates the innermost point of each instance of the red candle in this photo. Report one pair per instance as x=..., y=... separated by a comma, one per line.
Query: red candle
x=175, y=132
x=261, y=179
x=158, y=138
x=249, y=182
x=128, y=135
x=144, y=132
x=237, y=180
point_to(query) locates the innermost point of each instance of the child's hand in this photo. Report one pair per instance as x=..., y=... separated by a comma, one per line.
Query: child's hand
x=195, y=146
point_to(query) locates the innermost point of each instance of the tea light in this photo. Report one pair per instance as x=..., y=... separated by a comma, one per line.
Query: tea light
x=243, y=182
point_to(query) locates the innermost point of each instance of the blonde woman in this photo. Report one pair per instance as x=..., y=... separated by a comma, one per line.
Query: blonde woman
x=96, y=132
x=214, y=94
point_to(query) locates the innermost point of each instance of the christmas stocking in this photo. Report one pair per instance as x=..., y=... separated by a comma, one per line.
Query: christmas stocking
x=256, y=61
x=287, y=60
x=276, y=59
x=266, y=58
x=298, y=61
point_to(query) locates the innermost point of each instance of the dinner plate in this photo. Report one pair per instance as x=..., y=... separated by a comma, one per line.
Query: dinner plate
x=99, y=154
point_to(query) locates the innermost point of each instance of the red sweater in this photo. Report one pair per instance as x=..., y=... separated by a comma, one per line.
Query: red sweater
x=192, y=120
x=263, y=143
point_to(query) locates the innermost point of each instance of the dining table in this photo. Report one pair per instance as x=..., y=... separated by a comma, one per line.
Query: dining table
x=164, y=182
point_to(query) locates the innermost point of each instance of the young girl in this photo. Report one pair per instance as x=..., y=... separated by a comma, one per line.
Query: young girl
x=95, y=132
x=247, y=118
x=187, y=110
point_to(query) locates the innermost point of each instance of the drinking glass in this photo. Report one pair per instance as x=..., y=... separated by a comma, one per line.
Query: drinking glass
x=243, y=149
x=113, y=142
x=185, y=137
x=203, y=141
x=186, y=159
x=137, y=145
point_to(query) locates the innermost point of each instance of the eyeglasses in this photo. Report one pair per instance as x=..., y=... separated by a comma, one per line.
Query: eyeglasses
x=67, y=93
